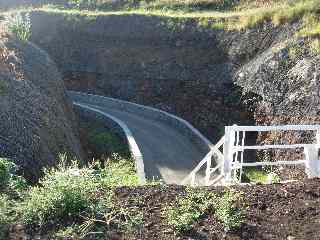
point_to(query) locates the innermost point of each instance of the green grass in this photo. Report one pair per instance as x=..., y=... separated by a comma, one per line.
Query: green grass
x=256, y=175
x=118, y=172
x=3, y=88
x=261, y=176
x=241, y=15
x=246, y=14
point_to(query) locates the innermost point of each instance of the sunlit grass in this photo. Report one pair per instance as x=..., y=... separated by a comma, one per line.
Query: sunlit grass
x=247, y=14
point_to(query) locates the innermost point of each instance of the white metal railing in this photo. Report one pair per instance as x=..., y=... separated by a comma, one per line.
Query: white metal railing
x=230, y=164
x=234, y=147
x=210, y=171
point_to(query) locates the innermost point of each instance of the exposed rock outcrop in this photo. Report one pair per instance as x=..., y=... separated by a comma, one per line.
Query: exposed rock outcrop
x=196, y=72
x=36, y=119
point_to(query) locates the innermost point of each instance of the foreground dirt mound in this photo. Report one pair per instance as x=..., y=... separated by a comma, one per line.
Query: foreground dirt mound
x=270, y=212
x=280, y=211
x=36, y=120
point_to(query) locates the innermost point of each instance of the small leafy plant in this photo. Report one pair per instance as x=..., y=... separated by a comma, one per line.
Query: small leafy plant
x=19, y=24
x=227, y=212
x=188, y=209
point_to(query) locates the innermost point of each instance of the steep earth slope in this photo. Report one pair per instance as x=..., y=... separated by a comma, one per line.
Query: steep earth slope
x=179, y=65
x=37, y=122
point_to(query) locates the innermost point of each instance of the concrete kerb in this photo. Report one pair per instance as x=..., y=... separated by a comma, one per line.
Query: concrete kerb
x=134, y=149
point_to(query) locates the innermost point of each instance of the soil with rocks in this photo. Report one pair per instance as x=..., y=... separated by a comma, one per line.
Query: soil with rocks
x=279, y=211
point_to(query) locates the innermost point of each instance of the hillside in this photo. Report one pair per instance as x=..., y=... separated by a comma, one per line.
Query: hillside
x=37, y=122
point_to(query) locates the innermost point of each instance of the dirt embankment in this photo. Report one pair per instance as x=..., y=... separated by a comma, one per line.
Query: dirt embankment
x=178, y=66
x=37, y=120
x=280, y=211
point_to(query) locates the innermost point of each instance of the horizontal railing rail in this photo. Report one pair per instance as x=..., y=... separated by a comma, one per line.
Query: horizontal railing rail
x=231, y=161
x=234, y=147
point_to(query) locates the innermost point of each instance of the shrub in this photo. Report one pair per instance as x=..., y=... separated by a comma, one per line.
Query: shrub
x=5, y=215
x=20, y=25
x=5, y=167
x=62, y=193
x=188, y=209
x=118, y=172
x=67, y=191
x=227, y=212
x=106, y=143
x=256, y=175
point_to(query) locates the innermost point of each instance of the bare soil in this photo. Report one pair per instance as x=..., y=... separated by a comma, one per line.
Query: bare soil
x=279, y=211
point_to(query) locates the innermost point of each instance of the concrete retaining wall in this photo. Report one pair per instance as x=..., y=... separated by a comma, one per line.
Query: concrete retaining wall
x=181, y=125
x=118, y=127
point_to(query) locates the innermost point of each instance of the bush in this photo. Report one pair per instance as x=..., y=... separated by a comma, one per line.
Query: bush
x=118, y=172
x=106, y=143
x=227, y=212
x=63, y=193
x=67, y=191
x=188, y=209
x=5, y=167
x=5, y=215
x=20, y=25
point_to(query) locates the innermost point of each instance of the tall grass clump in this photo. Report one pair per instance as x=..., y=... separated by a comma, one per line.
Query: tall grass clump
x=288, y=11
x=5, y=167
x=63, y=193
x=83, y=4
x=68, y=192
x=19, y=24
x=118, y=172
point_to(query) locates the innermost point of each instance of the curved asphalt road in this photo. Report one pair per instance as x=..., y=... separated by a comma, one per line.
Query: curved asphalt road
x=167, y=154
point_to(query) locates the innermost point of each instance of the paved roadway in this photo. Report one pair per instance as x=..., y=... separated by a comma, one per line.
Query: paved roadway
x=167, y=154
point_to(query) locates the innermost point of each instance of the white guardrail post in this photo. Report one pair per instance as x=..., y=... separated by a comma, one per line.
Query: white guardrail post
x=228, y=153
x=312, y=161
x=208, y=169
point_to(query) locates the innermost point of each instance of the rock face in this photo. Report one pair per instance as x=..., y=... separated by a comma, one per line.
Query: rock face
x=37, y=122
x=286, y=77
x=174, y=66
x=198, y=73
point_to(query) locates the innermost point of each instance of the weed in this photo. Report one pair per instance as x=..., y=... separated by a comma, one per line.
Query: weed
x=5, y=167
x=188, y=209
x=296, y=51
x=118, y=172
x=227, y=212
x=256, y=175
x=315, y=46
x=19, y=24
x=62, y=193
